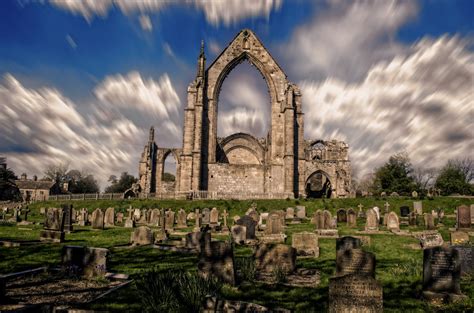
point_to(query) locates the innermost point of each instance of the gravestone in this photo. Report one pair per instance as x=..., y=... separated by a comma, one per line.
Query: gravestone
x=53, y=226
x=97, y=219
x=206, y=216
x=143, y=217
x=160, y=235
x=169, y=220
x=463, y=217
x=214, y=217
x=355, y=294
x=459, y=238
x=393, y=223
x=372, y=223
x=418, y=207
x=142, y=236
x=414, y=194
x=119, y=218
x=341, y=216
x=351, y=218
x=197, y=220
x=273, y=224
x=386, y=207
x=404, y=211
x=239, y=234
x=441, y=273
x=253, y=214
x=67, y=209
x=290, y=213
x=88, y=262
x=466, y=259
x=347, y=243
x=306, y=244
x=429, y=239
x=109, y=219
x=154, y=218
x=328, y=220
x=355, y=261
x=300, y=211
x=472, y=214
x=413, y=219
x=225, y=227
x=83, y=217
x=319, y=219
x=217, y=260
x=136, y=214
x=360, y=214
x=269, y=257
x=129, y=223
x=182, y=222
x=377, y=211
x=249, y=224
x=429, y=221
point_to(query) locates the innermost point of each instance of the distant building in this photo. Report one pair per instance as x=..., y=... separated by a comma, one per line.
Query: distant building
x=34, y=189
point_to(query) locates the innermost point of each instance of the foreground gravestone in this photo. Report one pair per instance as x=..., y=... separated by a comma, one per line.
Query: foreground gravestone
x=463, y=218
x=351, y=218
x=270, y=257
x=216, y=259
x=347, y=243
x=87, y=262
x=97, y=219
x=404, y=211
x=355, y=294
x=239, y=234
x=53, y=226
x=300, y=211
x=441, y=274
x=109, y=218
x=418, y=207
x=372, y=223
x=249, y=224
x=306, y=244
x=355, y=261
x=67, y=209
x=393, y=223
x=466, y=259
x=459, y=238
x=182, y=221
x=142, y=236
x=341, y=216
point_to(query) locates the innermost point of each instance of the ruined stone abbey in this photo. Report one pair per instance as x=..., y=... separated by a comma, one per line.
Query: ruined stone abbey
x=281, y=165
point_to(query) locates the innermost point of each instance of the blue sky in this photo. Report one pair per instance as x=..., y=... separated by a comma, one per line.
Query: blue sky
x=88, y=55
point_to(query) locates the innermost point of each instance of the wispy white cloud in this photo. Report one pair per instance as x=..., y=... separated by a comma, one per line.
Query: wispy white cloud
x=71, y=42
x=145, y=22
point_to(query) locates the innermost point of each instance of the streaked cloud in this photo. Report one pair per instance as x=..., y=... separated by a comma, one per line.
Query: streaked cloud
x=71, y=42
x=145, y=22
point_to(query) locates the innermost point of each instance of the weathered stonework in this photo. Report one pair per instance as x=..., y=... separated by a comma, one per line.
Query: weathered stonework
x=281, y=165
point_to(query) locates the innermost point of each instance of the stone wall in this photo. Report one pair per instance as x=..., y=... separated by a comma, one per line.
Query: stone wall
x=230, y=178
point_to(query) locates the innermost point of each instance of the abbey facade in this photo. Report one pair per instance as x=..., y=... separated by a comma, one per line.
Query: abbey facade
x=281, y=165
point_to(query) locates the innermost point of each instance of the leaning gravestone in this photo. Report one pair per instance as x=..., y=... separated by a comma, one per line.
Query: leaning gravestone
x=53, y=226
x=404, y=211
x=466, y=259
x=206, y=216
x=182, y=221
x=269, y=257
x=249, y=224
x=109, y=219
x=355, y=261
x=372, y=223
x=393, y=223
x=142, y=236
x=463, y=218
x=97, y=219
x=300, y=211
x=67, y=209
x=341, y=216
x=351, y=218
x=418, y=207
x=239, y=233
x=306, y=244
x=355, y=294
x=82, y=261
x=441, y=274
x=217, y=260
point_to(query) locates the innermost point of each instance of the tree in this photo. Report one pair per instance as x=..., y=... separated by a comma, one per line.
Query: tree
x=168, y=177
x=395, y=176
x=455, y=177
x=82, y=182
x=118, y=186
x=424, y=177
x=8, y=188
x=57, y=173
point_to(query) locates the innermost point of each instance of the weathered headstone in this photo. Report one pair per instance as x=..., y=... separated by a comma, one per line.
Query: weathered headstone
x=351, y=218
x=429, y=239
x=273, y=224
x=53, y=226
x=355, y=293
x=250, y=225
x=377, y=211
x=459, y=238
x=217, y=260
x=466, y=259
x=393, y=222
x=463, y=217
x=197, y=220
x=225, y=227
x=355, y=261
x=182, y=222
x=418, y=207
x=347, y=243
x=441, y=273
x=67, y=209
x=129, y=223
x=97, y=219
x=306, y=244
x=319, y=219
x=361, y=213
x=300, y=211
x=404, y=211
x=83, y=217
x=341, y=216
x=143, y=217
x=412, y=219
x=239, y=234
x=269, y=257
x=119, y=218
x=328, y=220
x=169, y=220
x=429, y=221
x=82, y=261
x=372, y=223
x=290, y=213
x=109, y=218
x=386, y=207
x=206, y=216
x=154, y=217
x=136, y=214
x=214, y=217
x=142, y=236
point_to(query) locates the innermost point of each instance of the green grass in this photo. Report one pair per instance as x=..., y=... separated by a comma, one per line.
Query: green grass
x=398, y=267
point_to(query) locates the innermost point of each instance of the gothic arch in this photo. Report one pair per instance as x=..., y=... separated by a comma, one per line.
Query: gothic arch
x=241, y=141
x=324, y=190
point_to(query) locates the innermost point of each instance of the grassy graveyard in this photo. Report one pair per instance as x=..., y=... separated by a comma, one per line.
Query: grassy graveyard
x=399, y=260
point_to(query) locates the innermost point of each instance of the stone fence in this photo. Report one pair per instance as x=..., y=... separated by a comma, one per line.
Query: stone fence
x=192, y=195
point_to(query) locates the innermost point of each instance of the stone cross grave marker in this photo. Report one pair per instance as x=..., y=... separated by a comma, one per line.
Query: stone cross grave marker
x=360, y=213
x=387, y=207
x=224, y=216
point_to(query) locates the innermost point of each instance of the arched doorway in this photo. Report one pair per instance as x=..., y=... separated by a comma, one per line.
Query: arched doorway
x=169, y=172
x=318, y=185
